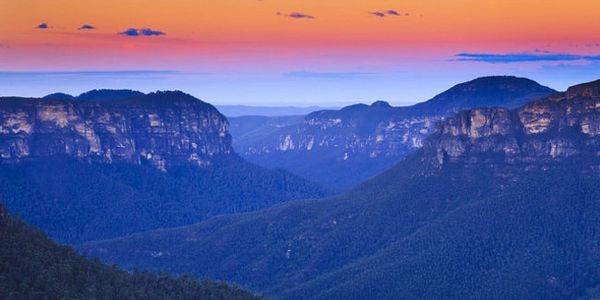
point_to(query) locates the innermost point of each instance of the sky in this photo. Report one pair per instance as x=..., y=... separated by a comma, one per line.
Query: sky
x=293, y=52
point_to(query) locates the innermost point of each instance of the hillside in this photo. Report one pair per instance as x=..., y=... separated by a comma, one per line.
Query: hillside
x=340, y=148
x=493, y=91
x=84, y=170
x=498, y=203
x=34, y=267
x=535, y=240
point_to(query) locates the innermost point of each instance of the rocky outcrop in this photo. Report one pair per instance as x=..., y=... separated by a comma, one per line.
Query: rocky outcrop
x=377, y=130
x=162, y=129
x=559, y=126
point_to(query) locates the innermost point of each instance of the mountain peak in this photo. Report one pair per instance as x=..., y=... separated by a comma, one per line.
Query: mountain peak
x=172, y=94
x=589, y=90
x=380, y=103
x=501, y=91
x=58, y=96
x=500, y=82
x=107, y=94
x=175, y=97
x=501, y=79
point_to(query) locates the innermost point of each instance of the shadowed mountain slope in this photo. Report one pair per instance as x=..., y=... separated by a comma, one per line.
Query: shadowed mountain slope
x=34, y=267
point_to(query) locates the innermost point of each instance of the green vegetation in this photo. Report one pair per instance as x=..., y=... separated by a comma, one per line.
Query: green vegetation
x=536, y=239
x=76, y=201
x=34, y=267
x=417, y=231
x=298, y=241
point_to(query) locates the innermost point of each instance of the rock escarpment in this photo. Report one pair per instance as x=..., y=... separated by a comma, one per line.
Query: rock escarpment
x=556, y=127
x=162, y=129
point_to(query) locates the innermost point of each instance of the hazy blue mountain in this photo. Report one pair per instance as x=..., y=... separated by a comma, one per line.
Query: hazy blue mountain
x=109, y=95
x=94, y=169
x=32, y=266
x=97, y=95
x=267, y=111
x=498, y=203
x=340, y=148
x=493, y=91
x=59, y=96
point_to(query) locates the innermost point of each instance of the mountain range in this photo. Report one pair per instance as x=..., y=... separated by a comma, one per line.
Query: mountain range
x=341, y=148
x=113, y=162
x=498, y=203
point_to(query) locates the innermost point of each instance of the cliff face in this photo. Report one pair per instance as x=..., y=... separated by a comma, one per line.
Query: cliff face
x=163, y=129
x=559, y=126
x=378, y=130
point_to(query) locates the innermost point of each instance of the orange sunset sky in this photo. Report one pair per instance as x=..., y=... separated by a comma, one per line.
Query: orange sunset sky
x=296, y=52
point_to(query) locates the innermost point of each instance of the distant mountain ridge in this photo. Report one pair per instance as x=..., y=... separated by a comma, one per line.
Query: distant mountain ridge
x=493, y=91
x=340, y=148
x=267, y=111
x=498, y=204
x=97, y=95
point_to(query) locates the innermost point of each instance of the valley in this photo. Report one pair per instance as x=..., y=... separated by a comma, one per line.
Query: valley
x=299, y=150
x=163, y=190
x=474, y=198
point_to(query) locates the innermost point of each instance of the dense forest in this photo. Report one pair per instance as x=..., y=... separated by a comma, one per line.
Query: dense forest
x=32, y=266
x=76, y=201
x=456, y=232
x=536, y=239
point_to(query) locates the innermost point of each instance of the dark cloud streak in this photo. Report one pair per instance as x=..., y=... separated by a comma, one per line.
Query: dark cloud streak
x=86, y=27
x=299, y=15
x=42, y=26
x=537, y=56
x=134, y=32
x=389, y=12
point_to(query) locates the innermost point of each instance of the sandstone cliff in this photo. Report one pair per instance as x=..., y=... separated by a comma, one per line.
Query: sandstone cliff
x=555, y=127
x=162, y=129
